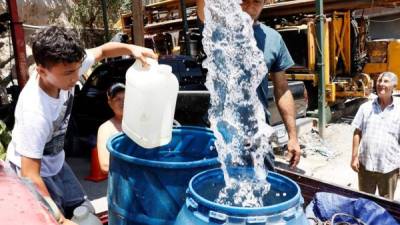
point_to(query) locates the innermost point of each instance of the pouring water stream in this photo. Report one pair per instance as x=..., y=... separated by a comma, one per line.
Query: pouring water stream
x=236, y=67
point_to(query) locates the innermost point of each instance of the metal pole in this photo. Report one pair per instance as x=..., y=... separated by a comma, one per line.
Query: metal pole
x=137, y=22
x=321, y=66
x=18, y=41
x=105, y=19
x=185, y=26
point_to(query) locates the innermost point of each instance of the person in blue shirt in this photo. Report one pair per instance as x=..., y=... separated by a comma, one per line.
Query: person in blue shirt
x=277, y=59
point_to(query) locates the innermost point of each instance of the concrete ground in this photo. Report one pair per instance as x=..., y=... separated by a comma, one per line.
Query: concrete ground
x=336, y=168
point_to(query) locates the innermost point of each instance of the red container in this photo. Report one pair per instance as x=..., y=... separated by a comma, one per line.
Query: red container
x=18, y=205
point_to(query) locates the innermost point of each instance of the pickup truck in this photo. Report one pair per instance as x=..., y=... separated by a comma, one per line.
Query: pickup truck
x=90, y=108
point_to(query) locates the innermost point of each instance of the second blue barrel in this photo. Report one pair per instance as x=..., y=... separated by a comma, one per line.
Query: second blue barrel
x=147, y=186
x=283, y=205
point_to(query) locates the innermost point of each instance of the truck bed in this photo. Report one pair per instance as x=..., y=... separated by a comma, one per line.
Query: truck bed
x=309, y=186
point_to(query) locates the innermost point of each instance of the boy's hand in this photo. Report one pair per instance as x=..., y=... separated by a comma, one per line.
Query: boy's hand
x=142, y=53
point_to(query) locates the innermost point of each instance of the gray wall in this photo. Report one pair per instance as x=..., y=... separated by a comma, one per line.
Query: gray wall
x=385, y=30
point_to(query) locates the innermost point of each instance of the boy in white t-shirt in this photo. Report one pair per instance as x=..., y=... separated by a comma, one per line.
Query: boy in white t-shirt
x=43, y=110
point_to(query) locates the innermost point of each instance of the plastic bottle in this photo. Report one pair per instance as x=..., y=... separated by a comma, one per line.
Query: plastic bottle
x=149, y=107
x=82, y=216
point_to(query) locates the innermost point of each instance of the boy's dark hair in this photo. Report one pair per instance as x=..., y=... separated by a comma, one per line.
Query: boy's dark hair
x=115, y=89
x=53, y=45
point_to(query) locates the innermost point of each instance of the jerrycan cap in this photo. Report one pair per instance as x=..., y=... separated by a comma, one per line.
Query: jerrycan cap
x=81, y=212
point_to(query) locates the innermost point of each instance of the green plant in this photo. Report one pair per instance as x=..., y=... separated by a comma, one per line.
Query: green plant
x=5, y=138
x=87, y=16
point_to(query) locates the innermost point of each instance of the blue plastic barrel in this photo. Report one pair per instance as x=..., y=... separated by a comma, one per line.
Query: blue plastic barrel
x=147, y=186
x=200, y=209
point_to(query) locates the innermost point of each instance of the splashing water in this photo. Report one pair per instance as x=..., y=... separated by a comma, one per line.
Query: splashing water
x=243, y=193
x=235, y=69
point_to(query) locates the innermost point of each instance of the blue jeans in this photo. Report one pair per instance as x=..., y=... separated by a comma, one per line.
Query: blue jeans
x=65, y=189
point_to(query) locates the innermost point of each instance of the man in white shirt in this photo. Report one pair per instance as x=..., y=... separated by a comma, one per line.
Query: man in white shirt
x=376, y=140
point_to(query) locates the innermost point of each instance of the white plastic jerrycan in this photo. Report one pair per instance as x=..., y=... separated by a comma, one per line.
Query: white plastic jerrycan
x=149, y=106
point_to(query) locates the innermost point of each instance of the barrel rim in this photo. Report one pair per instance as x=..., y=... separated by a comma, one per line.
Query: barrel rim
x=160, y=164
x=243, y=211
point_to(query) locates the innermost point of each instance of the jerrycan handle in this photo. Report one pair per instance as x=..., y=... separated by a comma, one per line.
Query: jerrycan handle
x=138, y=65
